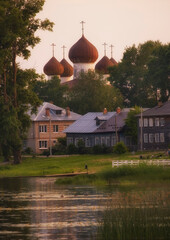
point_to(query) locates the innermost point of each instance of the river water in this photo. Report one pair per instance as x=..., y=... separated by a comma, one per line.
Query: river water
x=38, y=209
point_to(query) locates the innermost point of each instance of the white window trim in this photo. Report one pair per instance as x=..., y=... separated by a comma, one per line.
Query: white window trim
x=150, y=122
x=145, y=138
x=157, y=140
x=54, y=128
x=42, y=128
x=151, y=134
x=41, y=143
x=97, y=139
x=145, y=122
x=157, y=122
x=162, y=137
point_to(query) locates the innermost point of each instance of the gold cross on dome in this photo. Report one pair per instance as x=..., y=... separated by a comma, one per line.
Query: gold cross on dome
x=105, y=44
x=53, y=45
x=63, y=47
x=82, y=22
x=111, y=46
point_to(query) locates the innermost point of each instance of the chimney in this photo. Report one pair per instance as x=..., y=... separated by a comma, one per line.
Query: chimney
x=47, y=112
x=104, y=110
x=159, y=103
x=67, y=111
x=118, y=110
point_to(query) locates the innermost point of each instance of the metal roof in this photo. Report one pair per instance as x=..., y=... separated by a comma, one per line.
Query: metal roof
x=159, y=110
x=41, y=114
x=87, y=123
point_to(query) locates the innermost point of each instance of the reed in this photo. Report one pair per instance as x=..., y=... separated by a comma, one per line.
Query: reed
x=137, y=217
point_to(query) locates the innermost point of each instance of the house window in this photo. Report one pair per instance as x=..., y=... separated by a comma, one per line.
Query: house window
x=156, y=137
x=97, y=141
x=145, y=122
x=103, y=140
x=162, y=137
x=140, y=122
x=55, y=128
x=108, y=141
x=43, y=144
x=162, y=122
x=43, y=128
x=88, y=142
x=69, y=140
x=157, y=122
x=151, y=137
x=113, y=141
x=145, y=138
x=150, y=122
x=77, y=140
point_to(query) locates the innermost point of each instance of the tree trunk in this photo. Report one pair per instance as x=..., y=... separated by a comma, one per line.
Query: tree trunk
x=14, y=66
x=6, y=152
x=5, y=93
x=17, y=156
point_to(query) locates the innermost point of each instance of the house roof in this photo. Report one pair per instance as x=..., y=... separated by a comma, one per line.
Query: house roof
x=159, y=110
x=106, y=122
x=56, y=113
x=87, y=123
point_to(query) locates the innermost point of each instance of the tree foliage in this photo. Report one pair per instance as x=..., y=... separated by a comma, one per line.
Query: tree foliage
x=143, y=70
x=131, y=122
x=18, y=27
x=51, y=91
x=92, y=94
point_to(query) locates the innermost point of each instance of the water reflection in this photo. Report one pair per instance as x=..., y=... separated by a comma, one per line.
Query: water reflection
x=35, y=208
x=38, y=209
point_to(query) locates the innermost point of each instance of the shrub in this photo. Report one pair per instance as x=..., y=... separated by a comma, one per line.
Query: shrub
x=81, y=147
x=120, y=148
x=46, y=153
x=97, y=149
x=72, y=149
x=28, y=150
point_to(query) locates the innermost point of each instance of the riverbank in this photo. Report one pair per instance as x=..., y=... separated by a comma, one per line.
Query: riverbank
x=43, y=166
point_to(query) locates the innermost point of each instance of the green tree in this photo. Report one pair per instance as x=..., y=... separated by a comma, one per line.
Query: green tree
x=159, y=71
x=92, y=94
x=131, y=122
x=51, y=91
x=18, y=26
x=131, y=76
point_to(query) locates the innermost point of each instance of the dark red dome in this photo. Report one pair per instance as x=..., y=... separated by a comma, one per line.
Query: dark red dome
x=103, y=64
x=53, y=67
x=113, y=61
x=83, y=52
x=68, y=69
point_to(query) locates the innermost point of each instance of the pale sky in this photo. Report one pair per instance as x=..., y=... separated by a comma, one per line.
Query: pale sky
x=118, y=22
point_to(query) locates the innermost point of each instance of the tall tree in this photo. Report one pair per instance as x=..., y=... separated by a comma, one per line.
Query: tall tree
x=92, y=94
x=18, y=24
x=131, y=74
x=51, y=91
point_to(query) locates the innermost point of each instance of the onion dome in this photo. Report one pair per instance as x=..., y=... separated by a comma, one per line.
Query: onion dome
x=103, y=64
x=53, y=67
x=113, y=61
x=83, y=52
x=68, y=69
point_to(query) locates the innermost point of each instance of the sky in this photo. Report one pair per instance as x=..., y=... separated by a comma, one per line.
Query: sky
x=121, y=23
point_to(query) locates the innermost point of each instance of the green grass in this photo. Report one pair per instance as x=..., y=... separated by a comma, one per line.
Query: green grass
x=124, y=175
x=59, y=165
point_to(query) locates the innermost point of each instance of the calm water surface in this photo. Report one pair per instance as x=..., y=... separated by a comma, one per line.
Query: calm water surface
x=36, y=208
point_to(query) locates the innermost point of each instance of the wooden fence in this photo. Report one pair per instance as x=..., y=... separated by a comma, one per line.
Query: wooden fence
x=162, y=162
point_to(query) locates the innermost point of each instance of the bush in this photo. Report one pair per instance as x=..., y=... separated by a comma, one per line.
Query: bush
x=120, y=148
x=46, y=153
x=28, y=150
x=97, y=149
x=72, y=149
x=60, y=147
x=81, y=147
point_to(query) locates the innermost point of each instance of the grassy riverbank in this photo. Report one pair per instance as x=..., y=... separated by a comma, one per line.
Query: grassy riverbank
x=100, y=164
